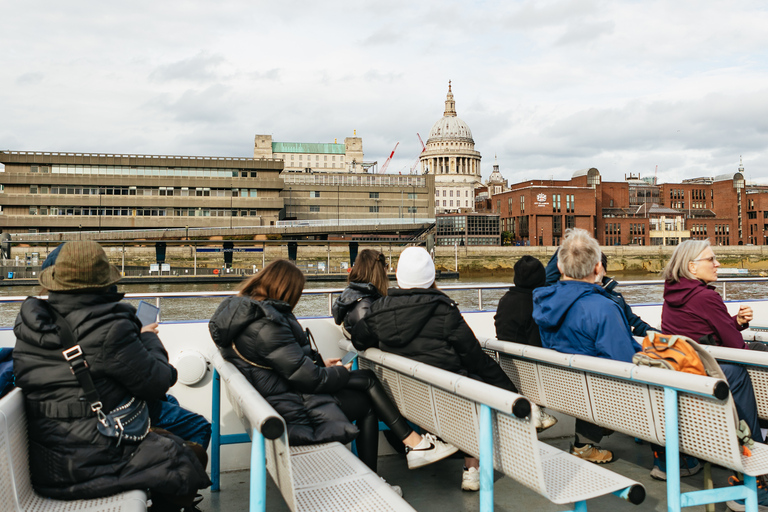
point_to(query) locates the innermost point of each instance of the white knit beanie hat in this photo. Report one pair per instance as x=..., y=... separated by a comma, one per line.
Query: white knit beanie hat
x=415, y=269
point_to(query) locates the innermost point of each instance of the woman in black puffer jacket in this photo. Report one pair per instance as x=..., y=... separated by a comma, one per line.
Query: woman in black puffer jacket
x=69, y=458
x=420, y=322
x=258, y=333
x=368, y=282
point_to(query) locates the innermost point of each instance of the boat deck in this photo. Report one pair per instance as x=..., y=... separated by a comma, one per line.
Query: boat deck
x=437, y=487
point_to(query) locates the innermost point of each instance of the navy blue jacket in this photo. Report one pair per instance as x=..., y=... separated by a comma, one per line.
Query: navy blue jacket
x=638, y=326
x=575, y=317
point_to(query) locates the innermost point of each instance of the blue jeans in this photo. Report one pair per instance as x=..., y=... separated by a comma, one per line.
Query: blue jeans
x=744, y=397
x=169, y=415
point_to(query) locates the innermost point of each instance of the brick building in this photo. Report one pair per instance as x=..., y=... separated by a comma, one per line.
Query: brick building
x=635, y=211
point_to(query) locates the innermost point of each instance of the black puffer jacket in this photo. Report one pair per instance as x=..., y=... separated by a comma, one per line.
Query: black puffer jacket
x=279, y=366
x=426, y=325
x=514, y=317
x=69, y=459
x=353, y=304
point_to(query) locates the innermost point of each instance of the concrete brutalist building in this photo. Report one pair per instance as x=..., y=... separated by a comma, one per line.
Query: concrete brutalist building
x=55, y=192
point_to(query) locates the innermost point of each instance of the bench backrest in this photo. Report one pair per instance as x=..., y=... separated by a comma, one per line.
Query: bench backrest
x=446, y=404
x=624, y=397
x=16, y=485
x=756, y=363
x=255, y=413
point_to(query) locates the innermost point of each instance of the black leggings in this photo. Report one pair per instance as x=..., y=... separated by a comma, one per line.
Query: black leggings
x=364, y=401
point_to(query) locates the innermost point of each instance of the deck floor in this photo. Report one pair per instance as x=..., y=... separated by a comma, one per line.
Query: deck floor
x=437, y=487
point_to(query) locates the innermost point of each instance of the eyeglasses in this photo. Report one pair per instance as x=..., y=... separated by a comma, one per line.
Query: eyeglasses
x=711, y=259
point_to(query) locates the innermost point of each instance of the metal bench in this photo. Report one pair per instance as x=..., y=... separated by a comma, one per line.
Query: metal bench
x=645, y=403
x=15, y=484
x=324, y=477
x=756, y=363
x=491, y=424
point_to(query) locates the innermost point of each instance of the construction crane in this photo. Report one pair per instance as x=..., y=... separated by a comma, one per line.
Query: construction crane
x=386, y=164
x=423, y=149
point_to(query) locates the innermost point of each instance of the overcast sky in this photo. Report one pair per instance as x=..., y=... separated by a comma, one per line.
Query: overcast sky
x=549, y=87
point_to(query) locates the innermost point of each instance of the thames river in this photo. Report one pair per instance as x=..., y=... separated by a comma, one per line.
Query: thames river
x=317, y=305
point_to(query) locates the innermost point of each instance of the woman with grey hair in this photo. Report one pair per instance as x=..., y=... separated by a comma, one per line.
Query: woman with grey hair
x=694, y=309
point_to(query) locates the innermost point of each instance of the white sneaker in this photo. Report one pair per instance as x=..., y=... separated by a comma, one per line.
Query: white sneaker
x=543, y=421
x=470, y=479
x=396, y=488
x=429, y=450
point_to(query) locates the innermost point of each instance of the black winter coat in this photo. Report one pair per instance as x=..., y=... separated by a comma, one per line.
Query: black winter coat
x=353, y=304
x=69, y=459
x=514, y=317
x=276, y=360
x=427, y=326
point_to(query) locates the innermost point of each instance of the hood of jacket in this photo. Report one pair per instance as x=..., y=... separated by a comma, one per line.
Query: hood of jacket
x=236, y=313
x=352, y=294
x=552, y=303
x=680, y=293
x=37, y=325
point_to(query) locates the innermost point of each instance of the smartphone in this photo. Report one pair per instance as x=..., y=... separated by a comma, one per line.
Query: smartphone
x=147, y=313
x=348, y=357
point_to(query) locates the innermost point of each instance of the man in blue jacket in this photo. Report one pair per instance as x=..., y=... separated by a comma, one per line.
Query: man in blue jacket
x=637, y=325
x=577, y=316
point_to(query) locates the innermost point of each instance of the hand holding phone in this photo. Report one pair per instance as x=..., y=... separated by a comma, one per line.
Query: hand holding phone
x=147, y=313
x=348, y=357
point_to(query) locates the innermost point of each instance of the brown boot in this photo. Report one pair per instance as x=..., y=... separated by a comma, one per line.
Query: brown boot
x=592, y=453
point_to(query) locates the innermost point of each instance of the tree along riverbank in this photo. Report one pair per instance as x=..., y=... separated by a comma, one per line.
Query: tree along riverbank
x=318, y=259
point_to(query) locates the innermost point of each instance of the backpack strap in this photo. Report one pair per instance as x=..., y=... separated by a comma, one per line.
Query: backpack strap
x=73, y=354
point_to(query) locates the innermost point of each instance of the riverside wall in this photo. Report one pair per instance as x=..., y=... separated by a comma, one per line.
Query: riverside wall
x=482, y=260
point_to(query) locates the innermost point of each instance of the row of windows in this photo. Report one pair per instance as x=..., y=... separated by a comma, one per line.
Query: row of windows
x=449, y=203
x=556, y=204
x=636, y=229
x=699, y=230
x=450, y=193
x=144, y=191
x=612, y=228
x=371, y=209
x=124, y=170
x=317, y=158
x=140, y=212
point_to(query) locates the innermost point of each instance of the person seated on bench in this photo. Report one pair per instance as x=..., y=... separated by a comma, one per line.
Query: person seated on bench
x=694, y=309
x=368, y=282
x=514, y=314
x=257, y=332
x=577, y=316
x=638, y=326
x=420, y=322
x=69, y=458
x=166, y=413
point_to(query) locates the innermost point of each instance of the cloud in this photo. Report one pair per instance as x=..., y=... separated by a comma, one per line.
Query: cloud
x=212, y=105
x=200, y=68
x=32, y=78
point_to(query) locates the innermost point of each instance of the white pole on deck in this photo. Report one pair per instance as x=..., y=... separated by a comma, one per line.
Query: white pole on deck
x=456, y=255
x=194, y=252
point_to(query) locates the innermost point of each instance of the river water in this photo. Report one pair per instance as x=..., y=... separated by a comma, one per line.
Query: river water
x=317, y=305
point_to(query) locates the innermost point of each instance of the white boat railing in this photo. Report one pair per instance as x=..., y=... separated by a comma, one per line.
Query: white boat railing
x=331, y=292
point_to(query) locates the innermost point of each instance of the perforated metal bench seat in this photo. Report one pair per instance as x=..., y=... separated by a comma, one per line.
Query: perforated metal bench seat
x=756, y=363
x=452, y=407
x=635, y=400
x=16, y=492
x=324, y=477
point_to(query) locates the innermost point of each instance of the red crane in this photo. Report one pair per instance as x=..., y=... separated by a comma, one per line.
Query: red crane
x=386, y=164
x=423, y=149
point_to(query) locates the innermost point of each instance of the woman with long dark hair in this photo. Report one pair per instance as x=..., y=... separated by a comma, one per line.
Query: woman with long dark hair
x=257, y=331
x=368, y=282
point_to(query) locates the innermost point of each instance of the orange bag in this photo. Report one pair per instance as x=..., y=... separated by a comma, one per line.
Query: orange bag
x=670, y=351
